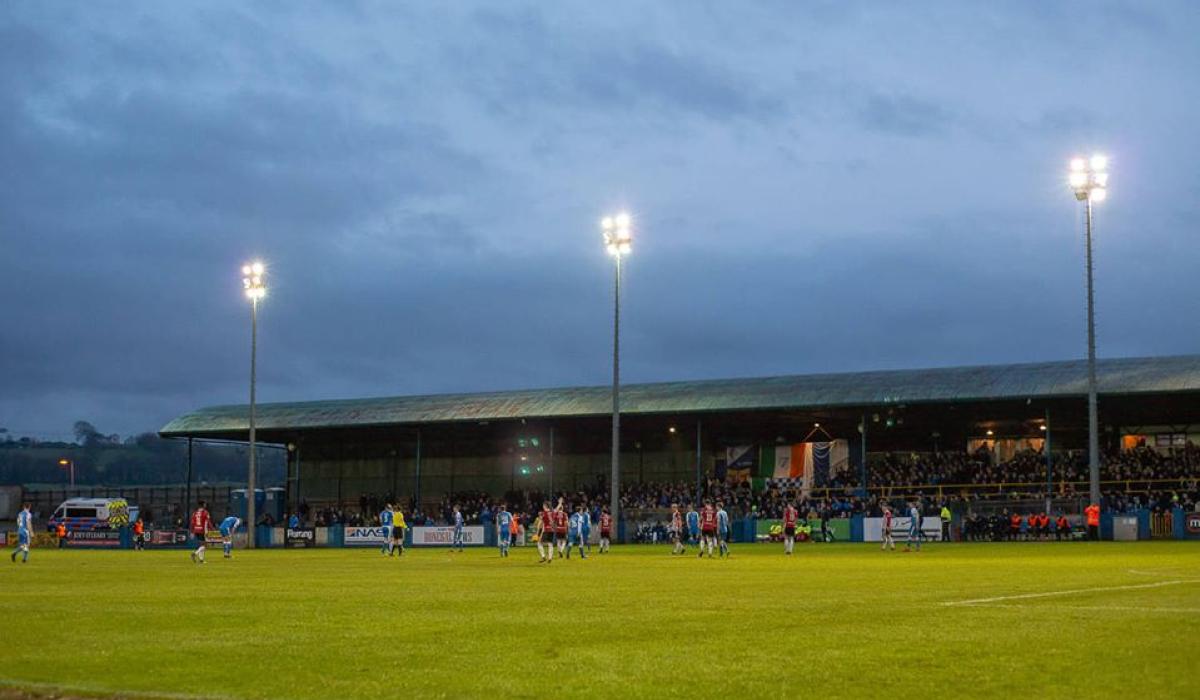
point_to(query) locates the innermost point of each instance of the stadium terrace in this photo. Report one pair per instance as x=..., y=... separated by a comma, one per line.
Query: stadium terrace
x=549, y=440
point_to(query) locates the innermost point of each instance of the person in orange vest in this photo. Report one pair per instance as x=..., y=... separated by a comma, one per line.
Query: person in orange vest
x=514, y=529
x=1043, y=523
x=61, y=533
x=1031, y=526
x=1014, y=526
x=1093, y=521
x=1062, y=528
x=139, y=535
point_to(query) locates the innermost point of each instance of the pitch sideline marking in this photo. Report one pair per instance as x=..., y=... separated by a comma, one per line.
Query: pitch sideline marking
x=1104, y=608
x=106, y=692
x=1051, y=594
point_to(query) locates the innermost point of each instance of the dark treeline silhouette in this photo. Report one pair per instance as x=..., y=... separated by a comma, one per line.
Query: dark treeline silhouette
x=144, y=459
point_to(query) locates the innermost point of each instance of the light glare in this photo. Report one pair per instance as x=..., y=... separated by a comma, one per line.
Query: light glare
x=1078, y=165
x=1098, y=194
x=1099, y=162
x=1078, y=179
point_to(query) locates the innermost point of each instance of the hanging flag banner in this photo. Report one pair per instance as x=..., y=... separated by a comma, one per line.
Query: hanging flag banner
x=803, y=464
x=740, y=462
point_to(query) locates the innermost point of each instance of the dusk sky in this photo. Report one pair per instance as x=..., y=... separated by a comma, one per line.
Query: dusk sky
x=815, y=187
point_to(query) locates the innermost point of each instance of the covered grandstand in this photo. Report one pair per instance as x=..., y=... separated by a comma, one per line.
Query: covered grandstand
x=546, y=440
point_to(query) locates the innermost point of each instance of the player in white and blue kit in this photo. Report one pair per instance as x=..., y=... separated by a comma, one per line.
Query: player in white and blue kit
x=693, y=524
x=386, y=517
x=575, y=532
x=24, y=533
x=503, y=524
x=914, y=527
x=227, y=527
x=585, y=528
x=458, y=530
x=722, y=529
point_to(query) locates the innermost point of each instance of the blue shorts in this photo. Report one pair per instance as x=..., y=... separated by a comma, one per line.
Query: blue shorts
x=387, y=532
x=723, y=533
x=694, y=534
x=224, y=532
x=23, y=537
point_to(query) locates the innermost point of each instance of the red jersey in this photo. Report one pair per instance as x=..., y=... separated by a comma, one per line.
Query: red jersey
x=201, y=523
x=887, y=520
x=605, y=523
x=789, y=517
x=708, y=520
x=560, y=521
x=677, y=521
x=547, y=520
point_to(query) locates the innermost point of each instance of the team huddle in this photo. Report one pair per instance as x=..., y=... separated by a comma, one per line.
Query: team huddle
x=558, y=533
x=707, y=528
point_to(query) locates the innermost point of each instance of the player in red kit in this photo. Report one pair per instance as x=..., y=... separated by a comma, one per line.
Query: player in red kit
x=201, y=523
x=708, y=528
x=676, y=529
x=790, y=515
x=888, y=541
x=546, y=534
x=605, y=529
x=560, y=527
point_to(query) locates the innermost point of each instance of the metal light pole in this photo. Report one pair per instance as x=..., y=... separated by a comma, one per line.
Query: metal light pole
x=256, y=289
x=618, y=242
x=1089, y=180
x=70, y=465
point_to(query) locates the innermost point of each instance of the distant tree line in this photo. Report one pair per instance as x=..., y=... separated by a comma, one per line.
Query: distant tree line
x=144, y=459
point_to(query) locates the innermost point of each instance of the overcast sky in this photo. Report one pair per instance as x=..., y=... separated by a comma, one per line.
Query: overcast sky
x=816, y=187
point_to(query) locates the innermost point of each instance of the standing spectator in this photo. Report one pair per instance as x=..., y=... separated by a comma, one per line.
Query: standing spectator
x=1093, y=521
x=946, y=517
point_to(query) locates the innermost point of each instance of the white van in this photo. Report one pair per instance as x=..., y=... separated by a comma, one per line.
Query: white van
x=93, y=514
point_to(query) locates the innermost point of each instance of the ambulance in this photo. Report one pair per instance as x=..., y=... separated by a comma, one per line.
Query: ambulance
x=93, y=514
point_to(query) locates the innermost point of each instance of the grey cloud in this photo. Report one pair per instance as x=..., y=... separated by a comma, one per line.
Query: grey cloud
x=424, y=182
x=905, y=115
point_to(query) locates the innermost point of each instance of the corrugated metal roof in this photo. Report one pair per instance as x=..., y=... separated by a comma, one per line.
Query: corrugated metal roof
x=812, y=391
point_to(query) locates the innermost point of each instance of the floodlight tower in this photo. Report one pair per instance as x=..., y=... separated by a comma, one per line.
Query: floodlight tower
x=1089, y=181
x=255, y=286
x=618, y=241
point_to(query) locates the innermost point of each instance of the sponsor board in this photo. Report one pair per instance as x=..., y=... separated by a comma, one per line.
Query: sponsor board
x=94, y=538
x=444, y=536
x=300, y=537
x=931, y=528
x=1192, y=523
x=363, y=536
x=168, y=538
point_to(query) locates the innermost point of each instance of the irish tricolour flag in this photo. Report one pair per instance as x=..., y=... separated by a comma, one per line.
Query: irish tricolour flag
x=803, y=462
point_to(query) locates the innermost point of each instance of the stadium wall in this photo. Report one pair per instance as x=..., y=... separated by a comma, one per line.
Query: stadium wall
x=336, y=474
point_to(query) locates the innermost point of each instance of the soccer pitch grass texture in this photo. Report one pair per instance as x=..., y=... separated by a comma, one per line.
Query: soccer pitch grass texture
x=1051, y=620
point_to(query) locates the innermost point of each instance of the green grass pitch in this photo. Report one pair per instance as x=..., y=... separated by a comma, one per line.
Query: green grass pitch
x=1049, y=620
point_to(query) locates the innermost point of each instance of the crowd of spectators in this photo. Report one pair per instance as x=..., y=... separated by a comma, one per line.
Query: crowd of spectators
x=958, y=479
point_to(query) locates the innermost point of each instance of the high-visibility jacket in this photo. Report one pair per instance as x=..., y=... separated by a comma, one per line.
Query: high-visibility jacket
x=61, y=530
x=945, y=514
x=1093, y=514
